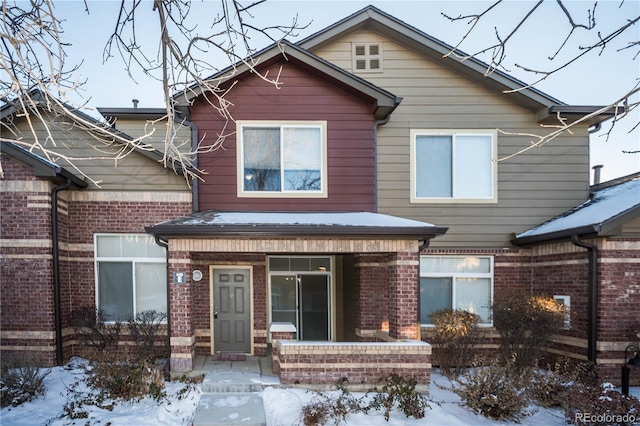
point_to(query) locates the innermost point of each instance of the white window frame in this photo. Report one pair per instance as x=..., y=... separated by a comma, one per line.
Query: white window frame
x=241, y=124
x=454, y=276
x=565, y=301
x=492, y=198
x=367, y=57
x=133, y=260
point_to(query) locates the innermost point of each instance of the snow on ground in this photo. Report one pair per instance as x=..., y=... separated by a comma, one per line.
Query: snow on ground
x=282, y=407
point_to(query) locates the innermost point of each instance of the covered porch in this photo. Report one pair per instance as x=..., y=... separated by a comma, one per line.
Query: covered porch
x=339, y=279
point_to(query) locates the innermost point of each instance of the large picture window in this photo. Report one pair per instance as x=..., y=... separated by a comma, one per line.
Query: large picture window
x=456, y=282
x=453, y=166
x=131, y=275
x=277, y=159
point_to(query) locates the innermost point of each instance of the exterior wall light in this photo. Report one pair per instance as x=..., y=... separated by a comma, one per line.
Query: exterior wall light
x=634, y=362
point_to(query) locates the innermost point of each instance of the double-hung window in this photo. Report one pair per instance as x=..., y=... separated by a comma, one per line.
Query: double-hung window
x=282, y=159
x=449, y=166
x=456, y=282
x=131, y=275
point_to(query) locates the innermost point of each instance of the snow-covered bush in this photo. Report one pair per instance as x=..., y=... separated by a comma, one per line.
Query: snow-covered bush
x=495, y=391
x=22, y=380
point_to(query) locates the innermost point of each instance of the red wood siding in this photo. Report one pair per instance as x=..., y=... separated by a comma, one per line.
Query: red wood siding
x=350, y=142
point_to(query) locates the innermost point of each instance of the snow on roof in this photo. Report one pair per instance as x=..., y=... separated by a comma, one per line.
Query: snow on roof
x=604, y=205
x=301, y=218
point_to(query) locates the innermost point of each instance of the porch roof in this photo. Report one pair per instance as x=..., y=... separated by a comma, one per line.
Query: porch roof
x=612, y=204
x=259, y=224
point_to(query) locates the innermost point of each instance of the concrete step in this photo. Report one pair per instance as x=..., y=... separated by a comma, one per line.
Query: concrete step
x=231, y=381
x=230, y=409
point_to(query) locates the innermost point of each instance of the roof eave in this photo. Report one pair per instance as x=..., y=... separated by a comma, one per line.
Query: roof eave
x=248, y=230
x=42, y=168
x=571, y=113
x=583, y=231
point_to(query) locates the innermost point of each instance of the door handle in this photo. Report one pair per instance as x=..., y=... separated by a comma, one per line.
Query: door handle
x=215, y=312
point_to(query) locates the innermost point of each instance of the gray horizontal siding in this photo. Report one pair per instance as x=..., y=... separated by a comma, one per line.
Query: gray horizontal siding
x=532, y=187
x=133, y=172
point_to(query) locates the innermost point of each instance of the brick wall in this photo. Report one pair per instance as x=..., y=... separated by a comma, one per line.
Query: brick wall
x=369, y=293
x=562, y=269
x=26, y=273
x=360, y=363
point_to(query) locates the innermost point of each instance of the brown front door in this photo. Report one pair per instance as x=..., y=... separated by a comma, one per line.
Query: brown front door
x=231, y=310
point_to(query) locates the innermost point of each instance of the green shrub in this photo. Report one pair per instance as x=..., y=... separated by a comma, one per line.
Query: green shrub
x=22, y=380
x=525, y=324
x=455, y=334
x=495, y=391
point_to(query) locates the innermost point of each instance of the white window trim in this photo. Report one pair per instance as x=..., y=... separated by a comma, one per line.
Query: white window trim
x=450, y=132
x=453, y=275
x=366, y=57
x=566, y=302
x=240, y=124
x=133, y=260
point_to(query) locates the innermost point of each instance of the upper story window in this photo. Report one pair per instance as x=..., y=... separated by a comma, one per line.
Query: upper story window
x=456, y=282
x=453, y=166
x=131, y=275
x=282, y=159
x=367, y=57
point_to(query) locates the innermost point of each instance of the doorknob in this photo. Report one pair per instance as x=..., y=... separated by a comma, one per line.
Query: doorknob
x=215, y=312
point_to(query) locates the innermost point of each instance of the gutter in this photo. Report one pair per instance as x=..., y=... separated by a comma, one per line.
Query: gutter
x=592, y=304
x=165, y=244
x=56, y=268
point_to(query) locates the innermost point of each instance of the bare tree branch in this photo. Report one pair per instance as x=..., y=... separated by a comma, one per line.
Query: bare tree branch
x=182, y=58
x=498, y=53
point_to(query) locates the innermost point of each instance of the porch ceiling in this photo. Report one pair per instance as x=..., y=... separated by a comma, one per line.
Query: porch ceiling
x=299, y=224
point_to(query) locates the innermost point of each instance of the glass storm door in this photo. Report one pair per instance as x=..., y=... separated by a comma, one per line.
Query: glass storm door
x=314, y=307
x=231, y=311
x=302, y=300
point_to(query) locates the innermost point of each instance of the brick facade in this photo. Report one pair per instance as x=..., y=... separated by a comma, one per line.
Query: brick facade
x=26, y=268
x=361, y=363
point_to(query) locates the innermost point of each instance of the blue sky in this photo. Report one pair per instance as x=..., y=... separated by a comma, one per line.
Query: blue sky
x=594, y=80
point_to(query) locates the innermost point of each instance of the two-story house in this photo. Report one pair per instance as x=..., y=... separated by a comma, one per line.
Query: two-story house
x=353, y=200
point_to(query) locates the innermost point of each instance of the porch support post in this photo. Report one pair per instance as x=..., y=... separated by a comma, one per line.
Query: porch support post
x=183, y=341
x=404, y=296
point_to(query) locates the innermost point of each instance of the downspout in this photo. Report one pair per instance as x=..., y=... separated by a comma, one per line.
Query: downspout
x=56, y=268
x=165, y=244
x=195, y=183
x=375, y=157
x=592, y=307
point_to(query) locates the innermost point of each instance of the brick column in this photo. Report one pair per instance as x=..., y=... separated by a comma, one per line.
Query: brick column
x=183, y=339
x=279, y=331
x=404, y=296
x=371, y=295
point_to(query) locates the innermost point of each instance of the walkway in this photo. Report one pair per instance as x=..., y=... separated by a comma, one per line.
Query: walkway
x=231, y=388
